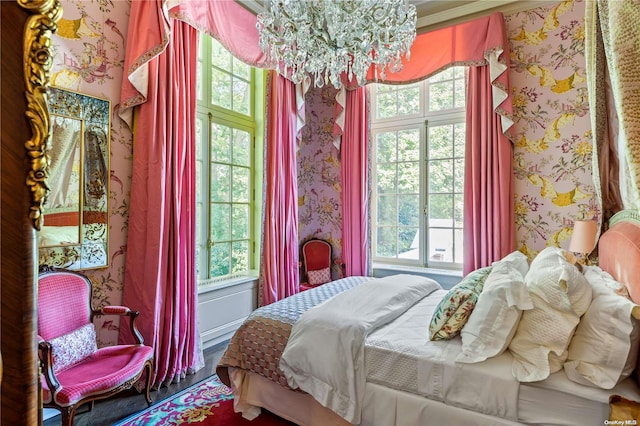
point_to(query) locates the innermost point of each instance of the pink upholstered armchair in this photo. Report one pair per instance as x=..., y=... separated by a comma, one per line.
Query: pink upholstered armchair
x=74, y=370
x=316, y=263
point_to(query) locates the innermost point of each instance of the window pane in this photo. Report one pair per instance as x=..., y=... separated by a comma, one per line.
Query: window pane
x=240, y=193
x=458, y=172
x=220, y=259
x=409, y=178
x=220, y=88
x=406, y=238
x=441, y=176
x=459, y=96
x=220, y=222
x=387, y=210
x=386, y=244
x=409, y=145
x=459, y=138
x=440, y=210
x=220, y=143
x=386, y=147
x=408, y=100
x=220, y=57
x=219, y=179
x=441, y=245
x=441, y=96
x=240, y=258
x=408, y=210
x=241, y=96
x=443, y=75
x=440, y=142
x=386, y=178
x=240, y=148
x=199, y=88
x=241, y=69
x=412, y=250
x=458, y=248
x=386, y=105
x=459, y=210
x=240, y=221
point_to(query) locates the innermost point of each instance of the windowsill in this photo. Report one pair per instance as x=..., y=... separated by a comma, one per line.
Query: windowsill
x=417, y=269
x=213, y=285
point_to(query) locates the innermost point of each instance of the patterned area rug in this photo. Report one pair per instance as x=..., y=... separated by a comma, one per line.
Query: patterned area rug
x=207, y=403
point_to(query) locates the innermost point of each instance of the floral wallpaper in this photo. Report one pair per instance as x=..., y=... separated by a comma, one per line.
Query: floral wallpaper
x=89, y=49
x=319, y=186
x=552, y=152
x=553, y=181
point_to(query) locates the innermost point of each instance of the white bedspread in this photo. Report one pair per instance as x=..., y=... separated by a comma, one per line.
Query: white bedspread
x=400, y=355
x=325, y=352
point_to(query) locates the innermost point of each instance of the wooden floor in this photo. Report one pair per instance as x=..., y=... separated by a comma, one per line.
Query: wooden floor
x=109, y=411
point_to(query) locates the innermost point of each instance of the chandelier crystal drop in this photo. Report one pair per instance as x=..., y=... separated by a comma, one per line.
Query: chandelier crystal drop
x=326, y=38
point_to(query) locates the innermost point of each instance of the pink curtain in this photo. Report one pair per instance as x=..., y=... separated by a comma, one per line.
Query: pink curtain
x=279, y=276
x=482, y=45
x=489, y=223
x=354, y=164
x=160, y=278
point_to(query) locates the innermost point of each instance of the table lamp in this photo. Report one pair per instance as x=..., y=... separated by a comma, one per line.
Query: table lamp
x=583, y=238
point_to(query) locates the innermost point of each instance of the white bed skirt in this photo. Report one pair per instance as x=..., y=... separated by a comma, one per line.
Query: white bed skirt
x=382, y=406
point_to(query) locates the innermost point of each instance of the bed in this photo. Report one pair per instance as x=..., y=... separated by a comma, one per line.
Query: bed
x=399, y=376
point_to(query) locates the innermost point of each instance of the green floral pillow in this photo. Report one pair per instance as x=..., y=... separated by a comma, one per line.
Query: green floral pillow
x=454, y=309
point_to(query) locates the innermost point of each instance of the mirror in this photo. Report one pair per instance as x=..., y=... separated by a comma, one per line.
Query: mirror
x=75, y=231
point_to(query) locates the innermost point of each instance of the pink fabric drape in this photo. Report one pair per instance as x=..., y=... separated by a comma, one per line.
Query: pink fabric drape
x=489, y=223
x=481, y=44
x=160, y=279
x=279, y=274
x=354, y=164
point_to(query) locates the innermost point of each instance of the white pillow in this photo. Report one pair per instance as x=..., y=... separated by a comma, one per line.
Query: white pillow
x=516, y=259
x=495, y=318
x=560, y=295
x=604, y=348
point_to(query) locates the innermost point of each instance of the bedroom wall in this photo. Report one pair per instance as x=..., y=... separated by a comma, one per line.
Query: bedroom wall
x=89, y=49
x=89, y=54
x=553, y=181
x=319, y=186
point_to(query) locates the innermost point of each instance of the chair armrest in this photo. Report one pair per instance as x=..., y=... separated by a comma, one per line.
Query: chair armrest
x=45, y=355
x=112, y=310
x=123, y=311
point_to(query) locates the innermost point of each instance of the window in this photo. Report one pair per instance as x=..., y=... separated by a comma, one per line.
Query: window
x=418, y=138
x=228, y=158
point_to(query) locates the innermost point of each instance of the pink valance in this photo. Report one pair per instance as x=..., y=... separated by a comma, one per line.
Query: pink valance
x=226, y=21
x=479, y=42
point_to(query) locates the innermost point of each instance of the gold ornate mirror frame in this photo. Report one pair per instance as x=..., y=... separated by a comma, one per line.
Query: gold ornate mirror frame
x=37, y=63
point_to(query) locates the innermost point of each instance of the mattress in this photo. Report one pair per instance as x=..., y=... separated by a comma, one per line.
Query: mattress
x=400, y=356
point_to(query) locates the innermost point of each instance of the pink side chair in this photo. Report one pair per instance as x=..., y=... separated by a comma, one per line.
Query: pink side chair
x=316, y=263
x=74, y=370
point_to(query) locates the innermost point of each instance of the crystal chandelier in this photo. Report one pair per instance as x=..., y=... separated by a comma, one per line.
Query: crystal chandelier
x=326, y=38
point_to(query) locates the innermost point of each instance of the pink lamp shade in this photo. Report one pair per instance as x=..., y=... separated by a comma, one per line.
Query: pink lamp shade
x=583, y=239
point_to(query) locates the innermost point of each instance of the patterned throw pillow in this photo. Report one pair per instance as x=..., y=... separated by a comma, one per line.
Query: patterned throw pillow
x=69, y=349
x=454, y=309
x=320, y=276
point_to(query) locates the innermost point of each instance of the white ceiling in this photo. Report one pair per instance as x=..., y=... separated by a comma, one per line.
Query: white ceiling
x=433, y=12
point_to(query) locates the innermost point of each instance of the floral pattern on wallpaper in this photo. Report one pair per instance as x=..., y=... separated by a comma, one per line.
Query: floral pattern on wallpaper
x=89, y=50
x=552, y=154
x=319, y=175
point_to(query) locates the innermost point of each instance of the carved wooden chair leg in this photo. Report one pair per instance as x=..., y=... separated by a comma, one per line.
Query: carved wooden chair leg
x=67, y=416
x=148, y=369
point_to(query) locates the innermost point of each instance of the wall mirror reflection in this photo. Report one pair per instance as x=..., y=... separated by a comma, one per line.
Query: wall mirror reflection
x=75, y=233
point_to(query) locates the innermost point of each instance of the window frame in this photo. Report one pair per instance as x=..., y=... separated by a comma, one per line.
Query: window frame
x=422, y=121
x=253, y=124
